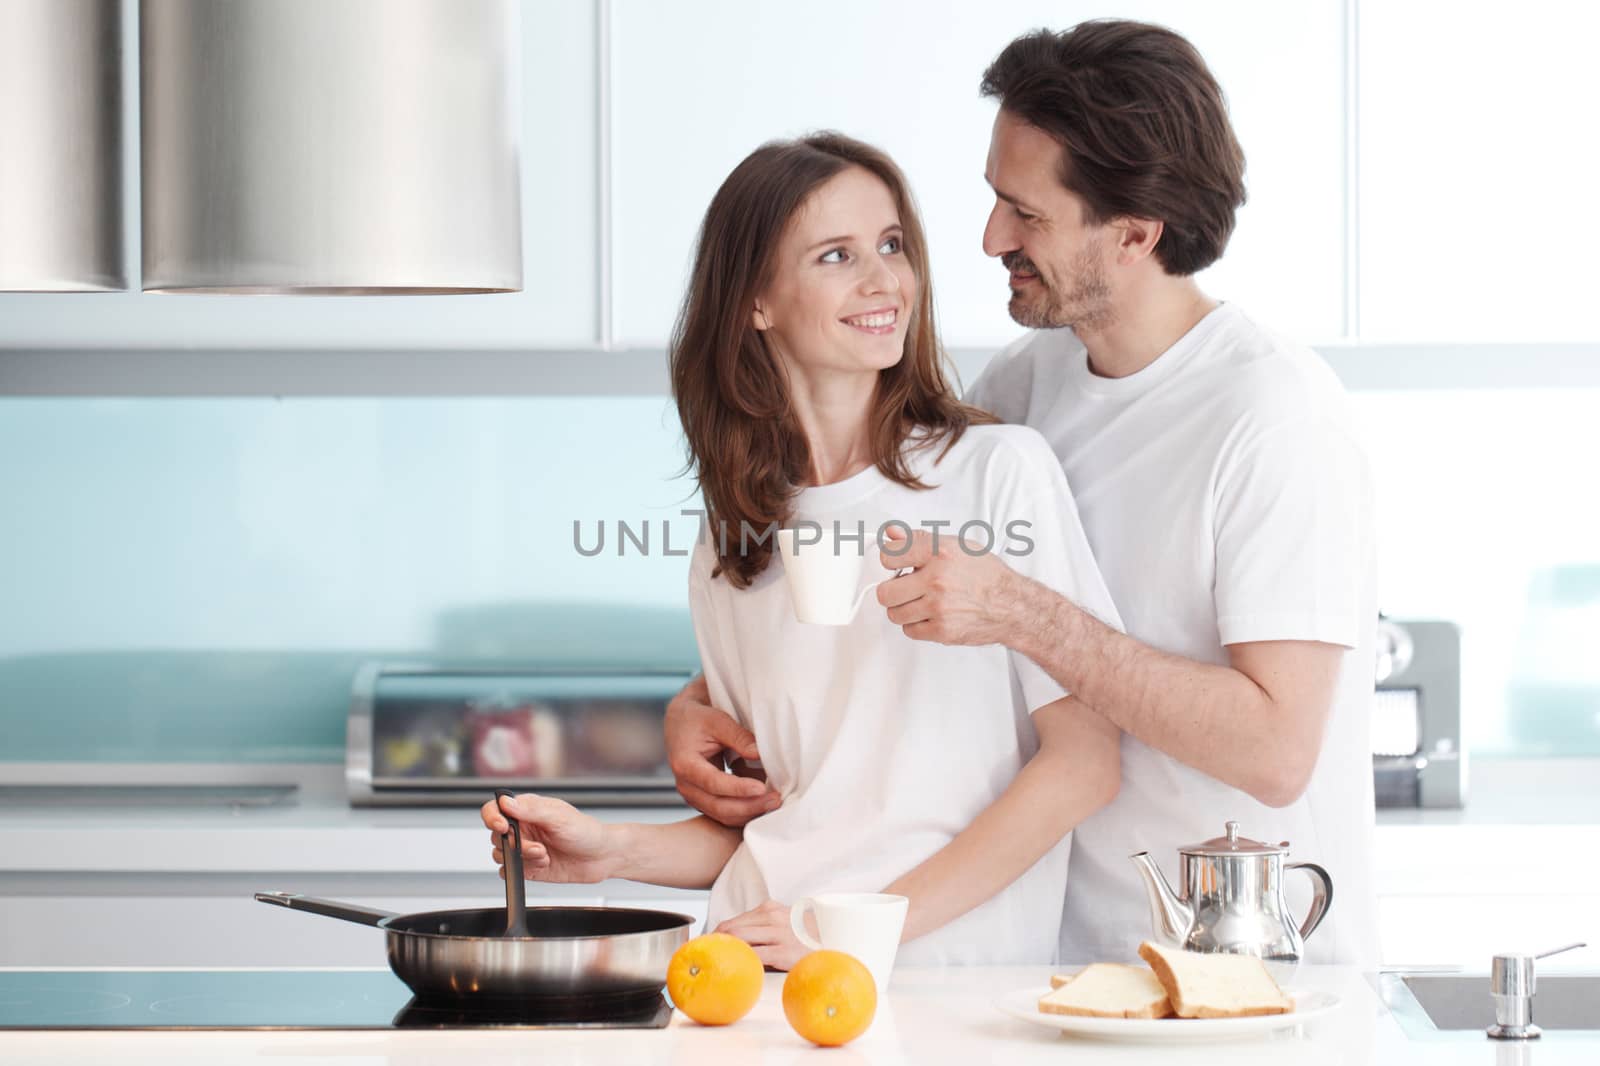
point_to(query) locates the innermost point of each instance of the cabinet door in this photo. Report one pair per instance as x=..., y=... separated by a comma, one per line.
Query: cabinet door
x=1477, y=173
x=1469, y=930
x=692, y=904
x=698, y=85
x=206, y=930
x=197, y=931
x=558, y=306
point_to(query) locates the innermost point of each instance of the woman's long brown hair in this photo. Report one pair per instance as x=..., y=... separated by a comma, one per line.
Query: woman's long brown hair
x=746, y=446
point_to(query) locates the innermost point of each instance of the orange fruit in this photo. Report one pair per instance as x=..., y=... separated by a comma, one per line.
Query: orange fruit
x=715, y=979
x=829, y=998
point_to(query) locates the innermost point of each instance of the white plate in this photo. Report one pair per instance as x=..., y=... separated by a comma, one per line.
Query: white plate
x=1024, y=1003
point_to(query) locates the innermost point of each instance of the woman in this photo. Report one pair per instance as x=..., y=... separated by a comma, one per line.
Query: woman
x=808, y=378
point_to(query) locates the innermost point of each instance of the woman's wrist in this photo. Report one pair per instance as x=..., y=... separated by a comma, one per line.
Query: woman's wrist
x=622, y=847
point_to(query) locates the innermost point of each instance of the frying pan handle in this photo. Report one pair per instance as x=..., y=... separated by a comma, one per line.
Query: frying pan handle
x=516, y=891
x=331, y=908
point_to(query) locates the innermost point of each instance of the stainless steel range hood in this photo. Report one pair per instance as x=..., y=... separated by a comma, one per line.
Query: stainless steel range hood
x=61, y=146
x=349, y=147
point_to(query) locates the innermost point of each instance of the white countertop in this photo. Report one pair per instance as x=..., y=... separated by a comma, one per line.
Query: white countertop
x=930, y=1016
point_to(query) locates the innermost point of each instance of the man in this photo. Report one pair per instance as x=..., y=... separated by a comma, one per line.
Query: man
x=1216, y=474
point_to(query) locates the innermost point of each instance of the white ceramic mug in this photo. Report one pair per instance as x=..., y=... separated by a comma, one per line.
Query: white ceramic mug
x=822, y=579
x=866, y=925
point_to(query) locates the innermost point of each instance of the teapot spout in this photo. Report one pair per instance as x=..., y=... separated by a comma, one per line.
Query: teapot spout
x=1169, y=916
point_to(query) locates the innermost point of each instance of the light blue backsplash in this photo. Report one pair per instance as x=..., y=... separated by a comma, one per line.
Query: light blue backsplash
x=198, y=579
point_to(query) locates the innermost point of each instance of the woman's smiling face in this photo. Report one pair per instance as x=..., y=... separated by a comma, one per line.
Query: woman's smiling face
x=842, y=287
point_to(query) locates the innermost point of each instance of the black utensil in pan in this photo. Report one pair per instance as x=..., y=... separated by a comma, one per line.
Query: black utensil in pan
x=511, y=848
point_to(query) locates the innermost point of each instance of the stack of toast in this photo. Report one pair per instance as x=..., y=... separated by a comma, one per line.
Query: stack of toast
x=1183, y=984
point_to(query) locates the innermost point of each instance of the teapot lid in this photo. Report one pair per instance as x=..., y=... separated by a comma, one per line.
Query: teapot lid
x=1234, y=844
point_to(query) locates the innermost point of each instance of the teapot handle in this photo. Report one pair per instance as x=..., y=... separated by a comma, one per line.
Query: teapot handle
x=1321, y=899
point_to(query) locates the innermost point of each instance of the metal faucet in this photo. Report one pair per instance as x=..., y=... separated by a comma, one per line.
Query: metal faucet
x=1512, y=985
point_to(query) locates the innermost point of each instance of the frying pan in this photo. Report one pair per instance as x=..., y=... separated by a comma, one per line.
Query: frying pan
x=570, y=951
x=589, y=952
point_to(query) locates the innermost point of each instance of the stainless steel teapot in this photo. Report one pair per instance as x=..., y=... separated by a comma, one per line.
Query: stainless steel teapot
x=1231, y=900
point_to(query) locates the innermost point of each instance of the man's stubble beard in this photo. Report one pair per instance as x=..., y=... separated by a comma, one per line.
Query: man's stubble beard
x=1086, y=307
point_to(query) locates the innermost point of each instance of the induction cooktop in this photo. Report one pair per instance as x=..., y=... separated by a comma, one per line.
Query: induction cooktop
x=285, y=999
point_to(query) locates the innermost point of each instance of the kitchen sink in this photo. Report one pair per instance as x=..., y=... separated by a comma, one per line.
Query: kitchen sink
x=1452, y=1002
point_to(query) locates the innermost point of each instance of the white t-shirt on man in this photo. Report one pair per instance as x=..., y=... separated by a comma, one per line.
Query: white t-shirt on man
x=1226, y=501
x=883, y=747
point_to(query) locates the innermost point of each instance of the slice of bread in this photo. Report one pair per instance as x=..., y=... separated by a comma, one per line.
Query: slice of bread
x=1215, y=985
x=1109, y=990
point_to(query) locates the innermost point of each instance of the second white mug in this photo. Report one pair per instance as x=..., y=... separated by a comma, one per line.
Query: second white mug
x=866, y=925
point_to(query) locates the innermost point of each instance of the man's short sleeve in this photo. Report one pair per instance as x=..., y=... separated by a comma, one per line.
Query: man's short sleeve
x=1292, y=513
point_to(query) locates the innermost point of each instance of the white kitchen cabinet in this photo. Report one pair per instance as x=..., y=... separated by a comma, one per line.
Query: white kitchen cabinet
x=691, y=88
x=694, y=905
x=1456, y=887
x=696, y=86
x=217, y=926
x=1469, y=930
x=1477, y=174
x=557, y=308
x=191, y=931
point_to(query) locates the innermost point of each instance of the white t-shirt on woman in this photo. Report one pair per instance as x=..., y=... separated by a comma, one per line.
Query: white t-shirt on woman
x=883, y=747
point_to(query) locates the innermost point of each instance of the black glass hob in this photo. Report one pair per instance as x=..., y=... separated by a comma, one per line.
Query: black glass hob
x=286, y=999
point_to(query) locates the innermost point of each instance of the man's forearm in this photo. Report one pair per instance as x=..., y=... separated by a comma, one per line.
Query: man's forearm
x=1214, y=718
x=687, y=854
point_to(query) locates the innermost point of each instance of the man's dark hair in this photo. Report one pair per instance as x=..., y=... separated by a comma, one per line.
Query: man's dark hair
x=1144, y=126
